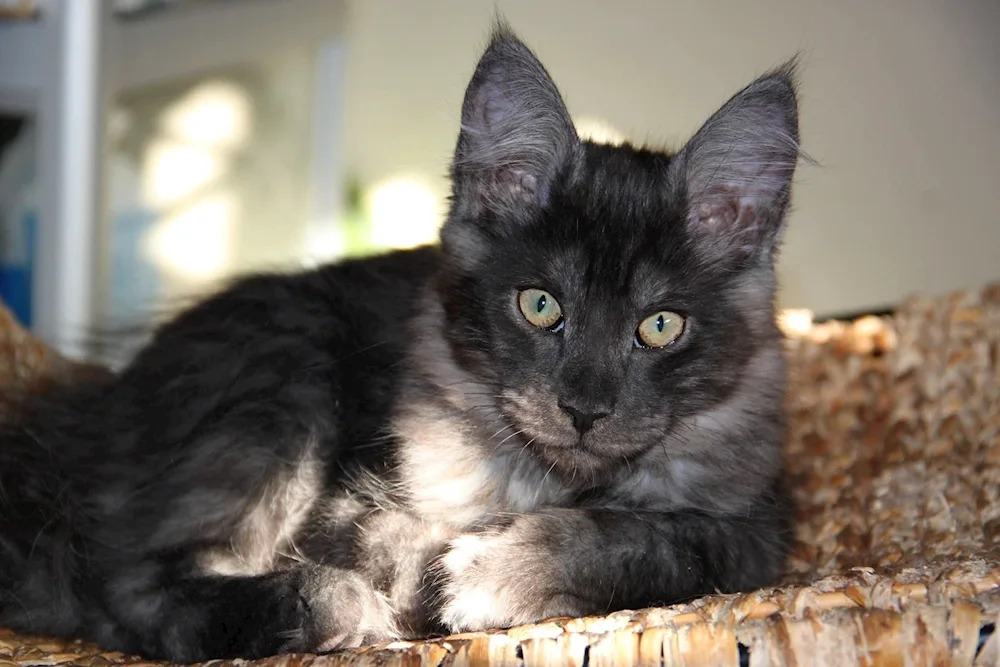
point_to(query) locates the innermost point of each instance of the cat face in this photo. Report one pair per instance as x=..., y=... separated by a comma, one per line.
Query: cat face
x=607, y=293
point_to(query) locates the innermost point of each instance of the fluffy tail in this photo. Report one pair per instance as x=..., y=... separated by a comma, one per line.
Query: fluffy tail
x=40, y=554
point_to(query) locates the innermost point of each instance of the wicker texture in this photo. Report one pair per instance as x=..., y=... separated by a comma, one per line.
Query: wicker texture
x=29, y=366
x=894, y=455
x=24, y=361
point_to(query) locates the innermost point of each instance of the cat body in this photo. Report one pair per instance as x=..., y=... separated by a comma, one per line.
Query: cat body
x=572, y=405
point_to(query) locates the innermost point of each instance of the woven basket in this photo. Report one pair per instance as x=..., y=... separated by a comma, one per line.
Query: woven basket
x=894, y=456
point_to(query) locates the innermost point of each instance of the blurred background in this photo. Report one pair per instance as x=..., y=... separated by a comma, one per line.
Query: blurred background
x=151, y=149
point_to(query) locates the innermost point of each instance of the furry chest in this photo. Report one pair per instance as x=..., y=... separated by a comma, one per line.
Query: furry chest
x=464, y=488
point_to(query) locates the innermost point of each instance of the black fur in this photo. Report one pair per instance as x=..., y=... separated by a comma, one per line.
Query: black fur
x=386, y=447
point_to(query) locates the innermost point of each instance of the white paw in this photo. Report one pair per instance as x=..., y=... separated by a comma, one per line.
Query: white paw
x=473, y=599
x=463, y=551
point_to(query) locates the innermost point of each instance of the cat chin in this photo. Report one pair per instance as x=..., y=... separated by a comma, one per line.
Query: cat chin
x=595, y=456
x=576, y=462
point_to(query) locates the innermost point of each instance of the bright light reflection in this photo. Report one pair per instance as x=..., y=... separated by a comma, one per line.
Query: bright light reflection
x=599, y=131
x=796, y=321
x=195, y=243
x=216, y=114
x=324, y=243
x=405, y=212
x=174, y=170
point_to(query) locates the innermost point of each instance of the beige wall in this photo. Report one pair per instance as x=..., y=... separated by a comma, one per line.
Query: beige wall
x=901, y=105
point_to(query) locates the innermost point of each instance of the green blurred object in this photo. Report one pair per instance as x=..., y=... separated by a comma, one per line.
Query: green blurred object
x=358, y=224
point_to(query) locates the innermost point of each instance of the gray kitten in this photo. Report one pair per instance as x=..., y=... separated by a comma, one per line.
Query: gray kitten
x=573, y=405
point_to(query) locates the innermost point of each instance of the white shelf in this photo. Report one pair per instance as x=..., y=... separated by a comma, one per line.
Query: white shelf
x=66, y=68
x=214, y=35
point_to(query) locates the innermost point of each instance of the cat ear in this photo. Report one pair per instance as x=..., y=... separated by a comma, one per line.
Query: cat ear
x=736, y=172
x=516, y=133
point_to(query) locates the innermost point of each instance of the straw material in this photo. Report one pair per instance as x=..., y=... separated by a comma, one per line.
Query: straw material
x=894, y=456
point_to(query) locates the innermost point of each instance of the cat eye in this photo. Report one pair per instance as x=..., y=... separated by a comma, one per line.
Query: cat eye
x=659, y=329
x=540, y=308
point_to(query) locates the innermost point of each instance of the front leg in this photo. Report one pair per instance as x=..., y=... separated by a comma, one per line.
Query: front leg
x=192, y=618
x=577, y=562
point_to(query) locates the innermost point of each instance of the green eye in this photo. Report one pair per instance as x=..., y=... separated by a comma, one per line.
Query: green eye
x=659, y=329
x=540, y=309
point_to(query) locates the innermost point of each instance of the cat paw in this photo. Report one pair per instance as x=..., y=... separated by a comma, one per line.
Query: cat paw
x=346, y=611
x=291, y=622
x=309, y=609
x=249, y=617
x=471, y=600
x=500, y=578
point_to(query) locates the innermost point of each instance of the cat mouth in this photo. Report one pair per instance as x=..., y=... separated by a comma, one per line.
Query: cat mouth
x=576, y=458
x=561, y=446
x=588, y=456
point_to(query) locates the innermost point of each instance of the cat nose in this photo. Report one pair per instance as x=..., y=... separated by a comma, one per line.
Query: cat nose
x=583, y=420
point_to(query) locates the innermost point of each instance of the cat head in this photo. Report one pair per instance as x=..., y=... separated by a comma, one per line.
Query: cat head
x=612, y=295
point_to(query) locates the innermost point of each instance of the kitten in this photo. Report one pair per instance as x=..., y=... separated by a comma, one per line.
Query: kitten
x=573, y=405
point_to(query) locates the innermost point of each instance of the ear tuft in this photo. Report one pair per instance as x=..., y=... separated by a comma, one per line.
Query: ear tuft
x=516, y=133
x=736, y=172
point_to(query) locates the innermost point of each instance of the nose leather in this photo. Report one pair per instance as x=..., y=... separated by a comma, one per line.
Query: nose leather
x=583, y=419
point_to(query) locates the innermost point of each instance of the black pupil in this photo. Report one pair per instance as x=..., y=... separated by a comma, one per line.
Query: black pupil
x=540, y=306
x=660, y=323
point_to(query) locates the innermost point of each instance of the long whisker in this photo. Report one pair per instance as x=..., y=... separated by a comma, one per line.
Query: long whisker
x=547, y=472
x=521, y=451
x=501, y=430
x=511, y=436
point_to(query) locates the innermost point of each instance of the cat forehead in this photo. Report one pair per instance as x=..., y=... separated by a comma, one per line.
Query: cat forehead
x=609, y=269
x=631, y=170
x=622, y=183
x=613, y=221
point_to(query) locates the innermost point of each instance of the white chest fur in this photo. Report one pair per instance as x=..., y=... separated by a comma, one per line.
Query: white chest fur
x=451, y=474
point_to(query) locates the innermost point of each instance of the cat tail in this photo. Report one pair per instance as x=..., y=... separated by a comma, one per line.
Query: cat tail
x=41, y=554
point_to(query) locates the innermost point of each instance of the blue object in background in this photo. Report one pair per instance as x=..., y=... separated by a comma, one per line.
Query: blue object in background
x=18, y=220
x=16, y=269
